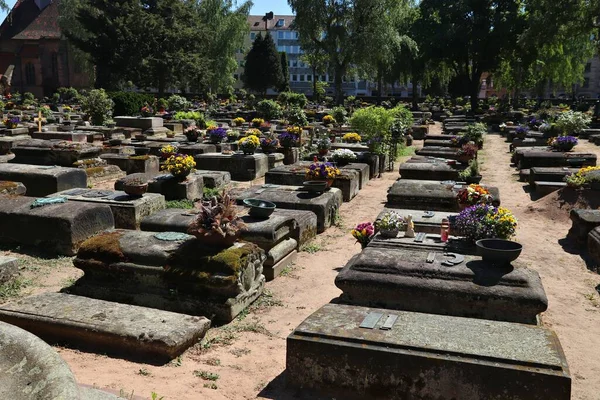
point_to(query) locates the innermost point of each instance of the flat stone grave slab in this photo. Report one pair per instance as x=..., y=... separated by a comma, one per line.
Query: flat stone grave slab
x=443, y=152
x=53, y=152
x=190, y=188
x=59, y=228
x=32, y=369
x=372, y=160
x=431, y=242
x=401, y=278
x=133, y=164
x=423, y=223
x=424, y=356
x=214, y=179
x=73, y=136
x=550, y=174
x=106, y=327
x=14, y=132
x=241, y=167
x=191, y=149
x=430, y=170
x=530, y=159
x=584, y=221
x=128, y=211
x=43, y=180
x=8, y=142
x=139, y=123
x=275, y=160
x=9, y=188
x=177, y=274
x=444, y=137
x=294, y=175
x=593, y=244
x=429, y=195
x=439, y=143
x=325, y=206
x=279, y=236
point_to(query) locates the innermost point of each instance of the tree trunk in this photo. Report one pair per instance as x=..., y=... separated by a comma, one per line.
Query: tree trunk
x=379, y=88
x=339, y=90
x=415, y=95
x=314, y=74
x=162, y=83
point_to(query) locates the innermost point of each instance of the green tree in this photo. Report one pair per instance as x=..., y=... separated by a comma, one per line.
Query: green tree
x=263, y=65
x=317, y=59
x=343, y=29
x=285, y=73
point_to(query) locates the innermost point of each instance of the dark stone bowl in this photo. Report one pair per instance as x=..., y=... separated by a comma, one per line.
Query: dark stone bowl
x=315, y=186
x=260, y=208
x=141, y=151
x=498, y=251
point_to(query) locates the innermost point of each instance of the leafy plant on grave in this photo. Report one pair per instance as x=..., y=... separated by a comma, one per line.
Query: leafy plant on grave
x=268, y=109
x=217, y=217
x=573, y=123
x=296, y=116
x=129, y=103
x=98, y=106
x=177, y=103
x=340, y=115
x=472, y=170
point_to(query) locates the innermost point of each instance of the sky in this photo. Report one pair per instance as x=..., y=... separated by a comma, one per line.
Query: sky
x=261, y=7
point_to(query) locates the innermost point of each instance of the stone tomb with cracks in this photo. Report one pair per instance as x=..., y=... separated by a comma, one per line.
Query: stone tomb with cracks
x=421, y=168
x=53, y=152
x=171, y=271
x=241, y=167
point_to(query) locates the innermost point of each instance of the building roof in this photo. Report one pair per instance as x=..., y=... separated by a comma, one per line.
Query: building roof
x=32, y=20
x=257, y=24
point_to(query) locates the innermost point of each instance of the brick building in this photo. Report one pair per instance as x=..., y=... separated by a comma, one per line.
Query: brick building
x=31, y=40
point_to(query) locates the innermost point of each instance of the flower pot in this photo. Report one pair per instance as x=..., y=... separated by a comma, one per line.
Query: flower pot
x=181, y=176
x=268, y=149
x=473, y=179
x=498, y=252
x=315, y=186
x=249, y=152
x=464, y=159
x=260, y=208
x=342, y=162
x=67, y=128
x=389, y=233
x=192, y=139
x=135, y=190
x=323, y=152
x=141, y=151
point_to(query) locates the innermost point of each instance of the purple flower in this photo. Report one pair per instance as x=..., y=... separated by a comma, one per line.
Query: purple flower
x=219, y=133
x=522, y=129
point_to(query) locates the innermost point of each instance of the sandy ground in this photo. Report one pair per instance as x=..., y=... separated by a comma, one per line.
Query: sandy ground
x=246, y=359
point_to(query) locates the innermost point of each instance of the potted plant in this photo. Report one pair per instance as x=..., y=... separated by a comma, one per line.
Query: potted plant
x=269, y=144
x=257, y=122
x=162, y=105
x=563, y=143
x=467, y=152
x=352, y=137
x=473, y=194
x=265, y=127
x=363, y=233
x=324, y=172
x=484, y=221
x=249, y=144
x=323, y=145
x=471, y=174
x=217, y=135
x=179, y=165
x=167, y=151
x=239, y=121
x=343, y=156
x=390, y=224
x=217, y=222
x=522, y=131
x=147, y=111
x=328, y=120
x=233, y=135
x=289, y=140
x=135, y=187
x=192, y=134
x=12, y=122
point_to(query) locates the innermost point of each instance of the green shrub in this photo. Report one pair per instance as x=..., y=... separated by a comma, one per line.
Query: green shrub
x=98, y=106
x=340, y=114
x=69, y=95
x=194, y=115
x=296, y=116
x=178, y=103
x=573, y=123
x=130, y=103
x=268, y=109
x=292, y=99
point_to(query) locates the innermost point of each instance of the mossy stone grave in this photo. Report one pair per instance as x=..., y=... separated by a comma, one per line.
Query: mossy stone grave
x=53, y=152
x=132, y=164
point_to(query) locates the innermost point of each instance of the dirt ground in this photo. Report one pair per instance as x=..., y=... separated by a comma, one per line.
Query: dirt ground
x=246, y=359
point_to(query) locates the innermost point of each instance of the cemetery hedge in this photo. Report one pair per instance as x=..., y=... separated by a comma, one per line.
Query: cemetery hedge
x=130, y=103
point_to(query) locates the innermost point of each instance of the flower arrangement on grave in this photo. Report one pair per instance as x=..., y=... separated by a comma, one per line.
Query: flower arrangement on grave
x=265, y=126
x=67, y=109
x=572, y=122
x=468, y=151
x=192, y=133
x=233, y=135
x=328, y=120
x=352, y=137
x=12, y=122
x=179, y=165
x=249, y=144
x=46, y=111
x=217, y=222
x=471, y=174
x=535, y=123
x=322, y=172
x=253, y=131
x=295, y=130
x=147, y=111
x=484, y=221
x=582, y=177
x=323, y=145
x=391, y=224
x=363, y=233
x=563, y=143
x=343, y=156
x=239, y=121
x=474, y=194
x=217, y=135
x=167, y=151
x=522, y=130
x=257, y=122
x=269, y=144
x=289, y=140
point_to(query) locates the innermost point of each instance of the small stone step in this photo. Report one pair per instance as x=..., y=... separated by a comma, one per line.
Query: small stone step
x=104, y=326
x=544, y=188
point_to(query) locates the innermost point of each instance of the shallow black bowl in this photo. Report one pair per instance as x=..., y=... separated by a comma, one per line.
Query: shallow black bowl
x=260, y=208
x=498, y=251
x=315, y=186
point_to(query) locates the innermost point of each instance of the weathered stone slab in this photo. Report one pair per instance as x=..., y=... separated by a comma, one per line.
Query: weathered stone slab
x=325, y=206
x=32, y=369
x=8, y=142
x=43, y=180
x=372, y=160
x=549, y=174
x=214, y=179
x=104, y=326
x=400, y=278
x=433, y=170
x=294, y=175
x=128, y=211
x=543, y=188
x=241, y=167
x=446, y=138
x=428, y=195
x=442, y=152
x=439, y=143
x=530, y=159
x=424, y=357
x=191, y=149
x=103, y=174
x=422, y=223
x=9, y=268
x=10, y=188
x=275, y=160
x=133, y=164
x=51, y=152
x=179, y=276
x=139, y=123
x=584, y=221
x=59, y=228
x=73, y=136
x=593, y=244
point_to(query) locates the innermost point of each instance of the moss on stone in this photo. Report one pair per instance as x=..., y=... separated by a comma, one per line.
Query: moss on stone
x=8, y=186
x=105, y=247
x=139, y=158
x=94, y=171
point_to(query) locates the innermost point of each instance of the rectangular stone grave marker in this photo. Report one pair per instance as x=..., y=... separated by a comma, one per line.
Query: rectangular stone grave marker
x=241, y=167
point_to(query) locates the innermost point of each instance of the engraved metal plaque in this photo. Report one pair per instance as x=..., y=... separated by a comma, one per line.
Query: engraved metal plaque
x=371, y=320
x=389, y=322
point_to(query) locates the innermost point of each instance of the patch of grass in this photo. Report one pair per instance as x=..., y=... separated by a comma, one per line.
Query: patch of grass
x=210, y=192
x=13, y=288
x=214, y=362
x=591, y=297
x=405, y=152
x=338, y=220
x=311, y=248
x=242, y=315
x=144, y=372
x=207, y=376
x=211, y=386
x=185, y=204
x=124, y=395
x=69, y=282
x=288, y=271
x=266, y=300
x=177, y=362
x=224, y=339
x=154, y=396
x=240, y=352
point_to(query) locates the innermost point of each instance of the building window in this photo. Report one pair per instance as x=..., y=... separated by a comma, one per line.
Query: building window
x=296, y=35
x=280, y=35
x=30, y=74
x=588, y=67
x=295, y=63
x=323, y=78
x=294, y=78
x=252, y=36
x=309, y=78
x=302, y=78
x=330, y=78
x=280, y=23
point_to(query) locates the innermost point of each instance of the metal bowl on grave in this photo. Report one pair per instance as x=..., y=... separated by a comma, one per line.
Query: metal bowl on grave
x=499, y=252
x=315, y=186
x=260, y=208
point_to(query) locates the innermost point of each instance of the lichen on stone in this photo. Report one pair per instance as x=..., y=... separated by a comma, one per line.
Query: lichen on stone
x=8, y=186
x=94, y=171
x=140, y=158
x=105, y=247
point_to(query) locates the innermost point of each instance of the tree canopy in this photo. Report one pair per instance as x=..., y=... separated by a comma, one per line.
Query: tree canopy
x=263, y=65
